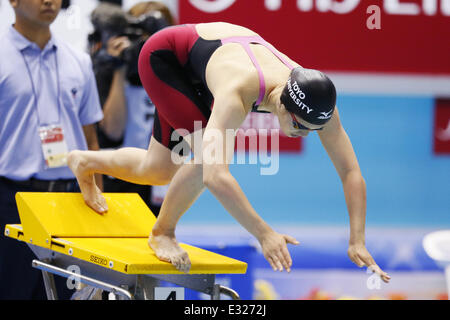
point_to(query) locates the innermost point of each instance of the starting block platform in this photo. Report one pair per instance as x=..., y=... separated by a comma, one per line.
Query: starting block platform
x=108, y=251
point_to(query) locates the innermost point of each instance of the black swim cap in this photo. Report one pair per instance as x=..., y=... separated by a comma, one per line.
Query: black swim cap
x=310, y=94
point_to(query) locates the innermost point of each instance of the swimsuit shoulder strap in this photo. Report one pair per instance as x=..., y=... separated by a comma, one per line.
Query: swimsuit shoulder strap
x=245, y=41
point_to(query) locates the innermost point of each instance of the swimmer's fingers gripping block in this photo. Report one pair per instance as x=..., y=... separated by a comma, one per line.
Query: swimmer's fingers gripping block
x=116, y=240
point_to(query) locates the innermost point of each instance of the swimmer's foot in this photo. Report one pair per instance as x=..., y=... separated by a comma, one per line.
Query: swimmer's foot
x=167, y=249
x=92, y=195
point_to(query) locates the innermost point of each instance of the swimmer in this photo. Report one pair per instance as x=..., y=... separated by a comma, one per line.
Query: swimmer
x=217, y=73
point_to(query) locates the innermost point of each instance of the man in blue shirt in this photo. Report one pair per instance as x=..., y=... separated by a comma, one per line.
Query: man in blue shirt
x=49, y=105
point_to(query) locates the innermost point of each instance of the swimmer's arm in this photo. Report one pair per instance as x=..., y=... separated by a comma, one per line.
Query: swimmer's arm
x=216, y=175
x=230, y=114
x=340, y=150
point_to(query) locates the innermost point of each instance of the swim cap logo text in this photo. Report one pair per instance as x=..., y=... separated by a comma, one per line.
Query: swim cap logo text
x=297, y=95
x=325, y=115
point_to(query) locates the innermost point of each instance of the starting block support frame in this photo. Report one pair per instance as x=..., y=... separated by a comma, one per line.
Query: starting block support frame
x=139, y=287
x=49, y=283
x=202, y=283
x=48, y=270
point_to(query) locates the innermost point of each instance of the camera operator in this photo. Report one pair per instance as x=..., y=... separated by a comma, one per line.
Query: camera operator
x=128, y=111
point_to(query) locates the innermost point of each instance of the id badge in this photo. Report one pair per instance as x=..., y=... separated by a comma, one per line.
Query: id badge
x=54, y=146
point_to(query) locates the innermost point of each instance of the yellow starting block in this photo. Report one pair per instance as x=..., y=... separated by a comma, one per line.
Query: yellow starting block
x=110, y=251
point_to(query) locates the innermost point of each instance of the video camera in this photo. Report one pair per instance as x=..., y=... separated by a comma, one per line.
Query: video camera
x=110, y=21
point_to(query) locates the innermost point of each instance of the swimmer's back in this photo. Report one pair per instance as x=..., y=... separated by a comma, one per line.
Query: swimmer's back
x=230, y=65
x=221, y=30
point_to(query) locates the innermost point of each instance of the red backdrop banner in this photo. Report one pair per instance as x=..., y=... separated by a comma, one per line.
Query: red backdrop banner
x=394, y=36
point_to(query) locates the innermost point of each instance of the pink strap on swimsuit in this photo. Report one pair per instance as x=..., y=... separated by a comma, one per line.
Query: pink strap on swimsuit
x=245, y=41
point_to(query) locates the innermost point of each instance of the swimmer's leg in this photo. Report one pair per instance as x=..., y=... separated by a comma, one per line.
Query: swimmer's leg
x=185, y=188
x=148, y=167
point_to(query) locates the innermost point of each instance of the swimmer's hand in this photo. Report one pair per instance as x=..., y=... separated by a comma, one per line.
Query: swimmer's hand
x=274, y=247
x=361, y=257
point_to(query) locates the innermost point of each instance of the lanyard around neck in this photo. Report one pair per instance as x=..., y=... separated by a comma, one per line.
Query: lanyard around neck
x=33, y=87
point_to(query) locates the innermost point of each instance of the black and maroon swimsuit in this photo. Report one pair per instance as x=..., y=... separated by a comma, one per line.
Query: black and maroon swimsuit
x=172, y=68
